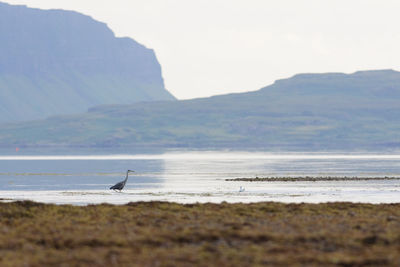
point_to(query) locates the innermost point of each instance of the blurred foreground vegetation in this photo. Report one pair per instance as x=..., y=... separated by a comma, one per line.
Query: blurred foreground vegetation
x=168, y=234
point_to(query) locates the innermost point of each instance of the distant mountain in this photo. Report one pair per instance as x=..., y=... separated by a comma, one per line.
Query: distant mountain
x=306, y=112
x=62, y=62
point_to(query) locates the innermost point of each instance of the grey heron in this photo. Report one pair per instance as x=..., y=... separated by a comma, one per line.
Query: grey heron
x=119, y=186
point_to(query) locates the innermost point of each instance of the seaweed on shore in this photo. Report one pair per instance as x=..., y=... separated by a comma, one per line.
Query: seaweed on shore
x=312, y=179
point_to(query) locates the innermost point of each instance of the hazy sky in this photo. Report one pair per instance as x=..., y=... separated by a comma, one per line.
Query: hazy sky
x=209, y=47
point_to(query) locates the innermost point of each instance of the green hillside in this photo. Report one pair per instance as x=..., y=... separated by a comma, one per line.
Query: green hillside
x=307, y=111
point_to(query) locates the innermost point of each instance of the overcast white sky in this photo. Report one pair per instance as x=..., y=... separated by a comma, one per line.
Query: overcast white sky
x=209, y=47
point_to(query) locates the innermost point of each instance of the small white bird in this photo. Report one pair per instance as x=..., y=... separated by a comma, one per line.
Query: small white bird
x=241, y=189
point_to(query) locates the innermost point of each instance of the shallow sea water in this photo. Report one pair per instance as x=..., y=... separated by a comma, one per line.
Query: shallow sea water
x=189, y=177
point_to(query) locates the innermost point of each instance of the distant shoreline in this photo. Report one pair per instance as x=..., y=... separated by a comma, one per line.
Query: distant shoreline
x=310, y=179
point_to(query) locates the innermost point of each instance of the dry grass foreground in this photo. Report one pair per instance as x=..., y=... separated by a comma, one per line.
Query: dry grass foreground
x=168, y=234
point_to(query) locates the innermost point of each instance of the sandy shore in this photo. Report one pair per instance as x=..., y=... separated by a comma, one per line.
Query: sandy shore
x=168, y=234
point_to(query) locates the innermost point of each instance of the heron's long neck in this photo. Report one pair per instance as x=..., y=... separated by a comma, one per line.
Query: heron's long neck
x=126, y=178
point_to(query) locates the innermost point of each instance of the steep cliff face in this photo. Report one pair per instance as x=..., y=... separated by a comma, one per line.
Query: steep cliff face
x=60, y=62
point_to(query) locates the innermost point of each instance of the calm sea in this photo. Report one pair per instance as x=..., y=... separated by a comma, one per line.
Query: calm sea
x=198, y=177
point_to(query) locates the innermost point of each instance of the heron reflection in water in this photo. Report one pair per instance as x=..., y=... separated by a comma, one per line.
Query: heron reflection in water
x=119, y=186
